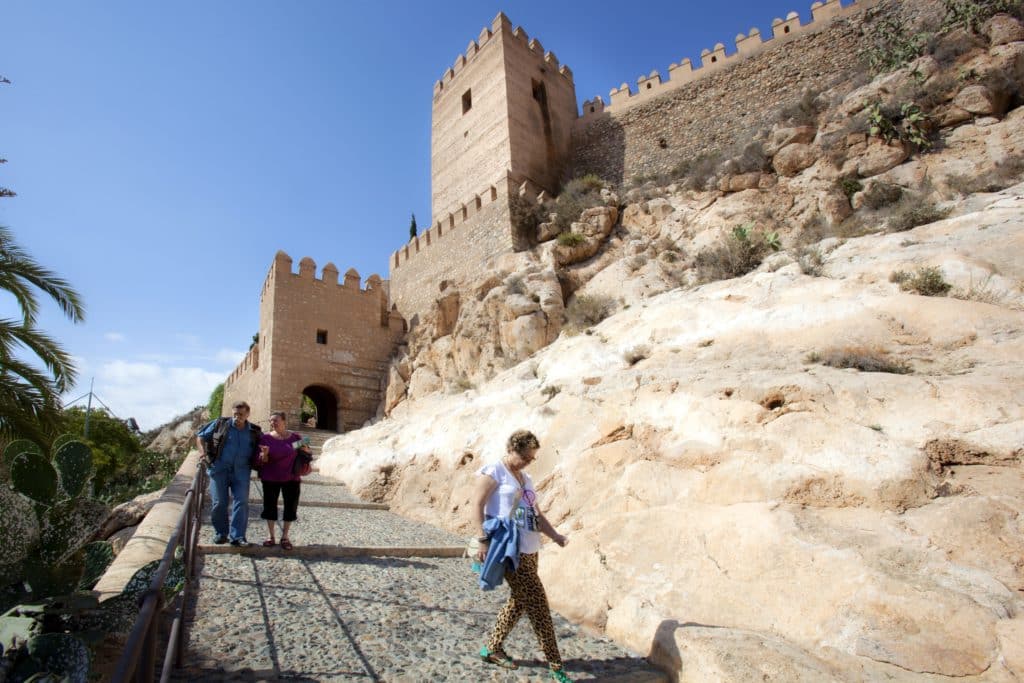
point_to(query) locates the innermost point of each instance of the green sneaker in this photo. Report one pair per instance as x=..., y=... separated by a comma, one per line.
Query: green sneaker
x=560, y=676
x=497, y=657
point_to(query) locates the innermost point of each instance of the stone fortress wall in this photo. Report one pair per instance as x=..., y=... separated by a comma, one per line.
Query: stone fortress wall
x=328, y=339
x=728, y=99
x=502, y=121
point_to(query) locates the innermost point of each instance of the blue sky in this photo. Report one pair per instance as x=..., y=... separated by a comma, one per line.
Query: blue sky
x=163, y=152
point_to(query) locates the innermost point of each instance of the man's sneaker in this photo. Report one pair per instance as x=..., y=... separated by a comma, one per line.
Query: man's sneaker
x=220, y=540
x=239, y=542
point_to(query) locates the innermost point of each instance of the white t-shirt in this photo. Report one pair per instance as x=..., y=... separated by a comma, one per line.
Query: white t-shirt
x=501, y=501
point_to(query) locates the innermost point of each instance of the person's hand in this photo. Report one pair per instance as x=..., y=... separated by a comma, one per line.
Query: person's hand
x=562, y=540
x=204, y=461
x=264, y=453
x=481, y=554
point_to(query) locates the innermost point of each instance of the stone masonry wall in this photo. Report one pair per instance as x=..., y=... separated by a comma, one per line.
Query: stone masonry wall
x=452, y=250
x=718, y=110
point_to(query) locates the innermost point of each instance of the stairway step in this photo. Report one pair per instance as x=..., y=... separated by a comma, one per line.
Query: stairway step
x=328, y=552
x=331, y=504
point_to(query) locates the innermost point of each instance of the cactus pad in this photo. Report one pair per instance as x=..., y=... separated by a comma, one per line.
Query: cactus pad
x=19, y=533
x=98, y=556
x=74, y=465
x=62, y=654
x=33, y=476
x=16, y=448
x=68, y=526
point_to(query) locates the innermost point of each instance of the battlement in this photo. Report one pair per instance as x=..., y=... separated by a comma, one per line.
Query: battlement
x=250, y=363
x=716, y=59
x=501, y=24
x=282, y=266
x=464, y=214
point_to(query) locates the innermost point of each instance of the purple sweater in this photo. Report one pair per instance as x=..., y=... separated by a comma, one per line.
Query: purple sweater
x=281, y=458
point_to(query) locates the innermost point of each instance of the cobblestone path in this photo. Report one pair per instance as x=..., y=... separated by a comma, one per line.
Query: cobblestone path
x=345, y=605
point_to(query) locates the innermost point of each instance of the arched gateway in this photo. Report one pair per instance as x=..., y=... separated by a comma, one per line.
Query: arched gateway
x=328, y=414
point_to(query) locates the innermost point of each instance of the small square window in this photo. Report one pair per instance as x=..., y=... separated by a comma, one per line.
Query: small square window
x=321, y=336
x=467, y=101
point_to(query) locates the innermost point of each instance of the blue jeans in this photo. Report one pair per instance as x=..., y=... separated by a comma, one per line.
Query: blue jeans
x=233, y=476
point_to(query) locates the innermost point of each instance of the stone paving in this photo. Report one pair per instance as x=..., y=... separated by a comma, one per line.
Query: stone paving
x=277, y=616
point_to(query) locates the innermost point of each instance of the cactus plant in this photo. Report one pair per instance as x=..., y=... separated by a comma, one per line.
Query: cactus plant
x=19, y=534
x=98, y=556
x=17, y=447
x=33, y=476
x=62, y=654
x=74, y=466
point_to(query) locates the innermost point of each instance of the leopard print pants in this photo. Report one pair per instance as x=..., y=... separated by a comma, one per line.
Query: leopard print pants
x=527, y=596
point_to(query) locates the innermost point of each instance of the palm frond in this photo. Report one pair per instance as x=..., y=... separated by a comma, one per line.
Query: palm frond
x=15, y=264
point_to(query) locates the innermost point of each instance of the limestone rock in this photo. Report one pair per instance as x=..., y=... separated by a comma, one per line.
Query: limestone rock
x=794, y=158
x=880, y=157
x=835, y=207
x=547, y=231
x=780, y=137
x=395, y=391
x=447, y=313
x=423, y=381
x=980, y=100
x=129, y=513
x=738, y=183
x=1002, y=29
x=951, y=115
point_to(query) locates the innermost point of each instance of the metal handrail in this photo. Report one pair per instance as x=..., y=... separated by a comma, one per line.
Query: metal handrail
x=138, y=660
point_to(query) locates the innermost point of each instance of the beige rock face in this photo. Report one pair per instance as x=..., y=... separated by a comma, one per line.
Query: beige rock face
x=878, y=158
x=738, y=512
x=980, y=100
x=794, y=158
x=129, y=513
x=1002, y=29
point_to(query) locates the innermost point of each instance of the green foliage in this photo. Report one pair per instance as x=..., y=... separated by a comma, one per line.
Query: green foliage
x=255, y=340
x=570, y=239
x=30, y=388
x=34, y=477
x=74, y=466
x=98, y=556
x=908, y=124
x=850, y=186
x=736, y=254
x=971, y=14
x=61, y=654
x=926, y=281
x=412, y=227
x=891, y=44
x=215, y=406
x=17, y=447
x=578, y=195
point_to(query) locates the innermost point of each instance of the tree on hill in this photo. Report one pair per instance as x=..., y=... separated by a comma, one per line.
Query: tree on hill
x=216, y=403
x=29, y=394
x=412, y=227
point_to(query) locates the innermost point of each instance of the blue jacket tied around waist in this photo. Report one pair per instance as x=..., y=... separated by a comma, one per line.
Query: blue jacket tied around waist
x=502, y=552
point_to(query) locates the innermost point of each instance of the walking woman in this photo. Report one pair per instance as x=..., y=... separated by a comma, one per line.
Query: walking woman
x=504, y=508
x=276, y=465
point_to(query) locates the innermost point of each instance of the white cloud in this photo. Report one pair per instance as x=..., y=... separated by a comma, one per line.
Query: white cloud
x=114, y=337
x=229, y=357
x=153, y=393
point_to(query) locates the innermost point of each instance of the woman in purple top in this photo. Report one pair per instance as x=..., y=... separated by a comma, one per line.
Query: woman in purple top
x=275, y=464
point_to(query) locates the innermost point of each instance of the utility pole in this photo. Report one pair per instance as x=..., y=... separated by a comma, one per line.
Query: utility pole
x=88, y=408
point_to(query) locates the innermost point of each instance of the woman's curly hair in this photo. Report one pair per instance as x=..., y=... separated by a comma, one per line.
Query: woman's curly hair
x=522, y=440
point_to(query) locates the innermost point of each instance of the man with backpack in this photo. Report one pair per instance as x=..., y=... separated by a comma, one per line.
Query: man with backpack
x=227, y=445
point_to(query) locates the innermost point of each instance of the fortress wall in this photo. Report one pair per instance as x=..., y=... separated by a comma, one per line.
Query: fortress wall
x=456, y=247
x=360, y=338
x=473, y=146
x=740, y=93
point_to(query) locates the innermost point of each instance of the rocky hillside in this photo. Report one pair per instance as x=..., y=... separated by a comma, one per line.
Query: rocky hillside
x=174, y=438
x=780, y=399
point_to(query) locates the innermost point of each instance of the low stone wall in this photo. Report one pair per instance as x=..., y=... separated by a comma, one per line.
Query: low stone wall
x=150, y=540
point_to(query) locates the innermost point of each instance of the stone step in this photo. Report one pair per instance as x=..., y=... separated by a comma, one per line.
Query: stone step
x=319, y=551
x=341, y=505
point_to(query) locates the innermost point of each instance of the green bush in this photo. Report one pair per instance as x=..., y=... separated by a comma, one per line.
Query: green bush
x=587, y=310
x=891, y=44
x=570, y=239
x=736, y=254
x=215, y=406
x=971, y=14
x=913, y=211
x=926, y=281
x=578, y=195
x=849, y=186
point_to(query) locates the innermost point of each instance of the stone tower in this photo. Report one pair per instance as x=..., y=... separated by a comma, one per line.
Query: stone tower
x=501, y=126
x=328, y=341
x=504, y=109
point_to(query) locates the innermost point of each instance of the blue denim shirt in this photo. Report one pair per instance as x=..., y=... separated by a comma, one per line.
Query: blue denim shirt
x=237, y=450
x=503, y=550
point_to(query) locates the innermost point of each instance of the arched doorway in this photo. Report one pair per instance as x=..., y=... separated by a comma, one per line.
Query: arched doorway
x=325, y=404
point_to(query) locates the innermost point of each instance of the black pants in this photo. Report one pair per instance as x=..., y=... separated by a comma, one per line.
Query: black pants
x=290, y=490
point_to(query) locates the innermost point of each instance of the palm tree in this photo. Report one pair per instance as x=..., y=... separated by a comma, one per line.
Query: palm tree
x=30, y=395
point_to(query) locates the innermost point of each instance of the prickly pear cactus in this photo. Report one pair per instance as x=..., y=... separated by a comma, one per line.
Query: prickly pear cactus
x=16, y=448
x=61, y=440
x=68, y=526
x=19, y=534
x=61, y=654
x=98, y=556
x=33, y=476
x=74, y=466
